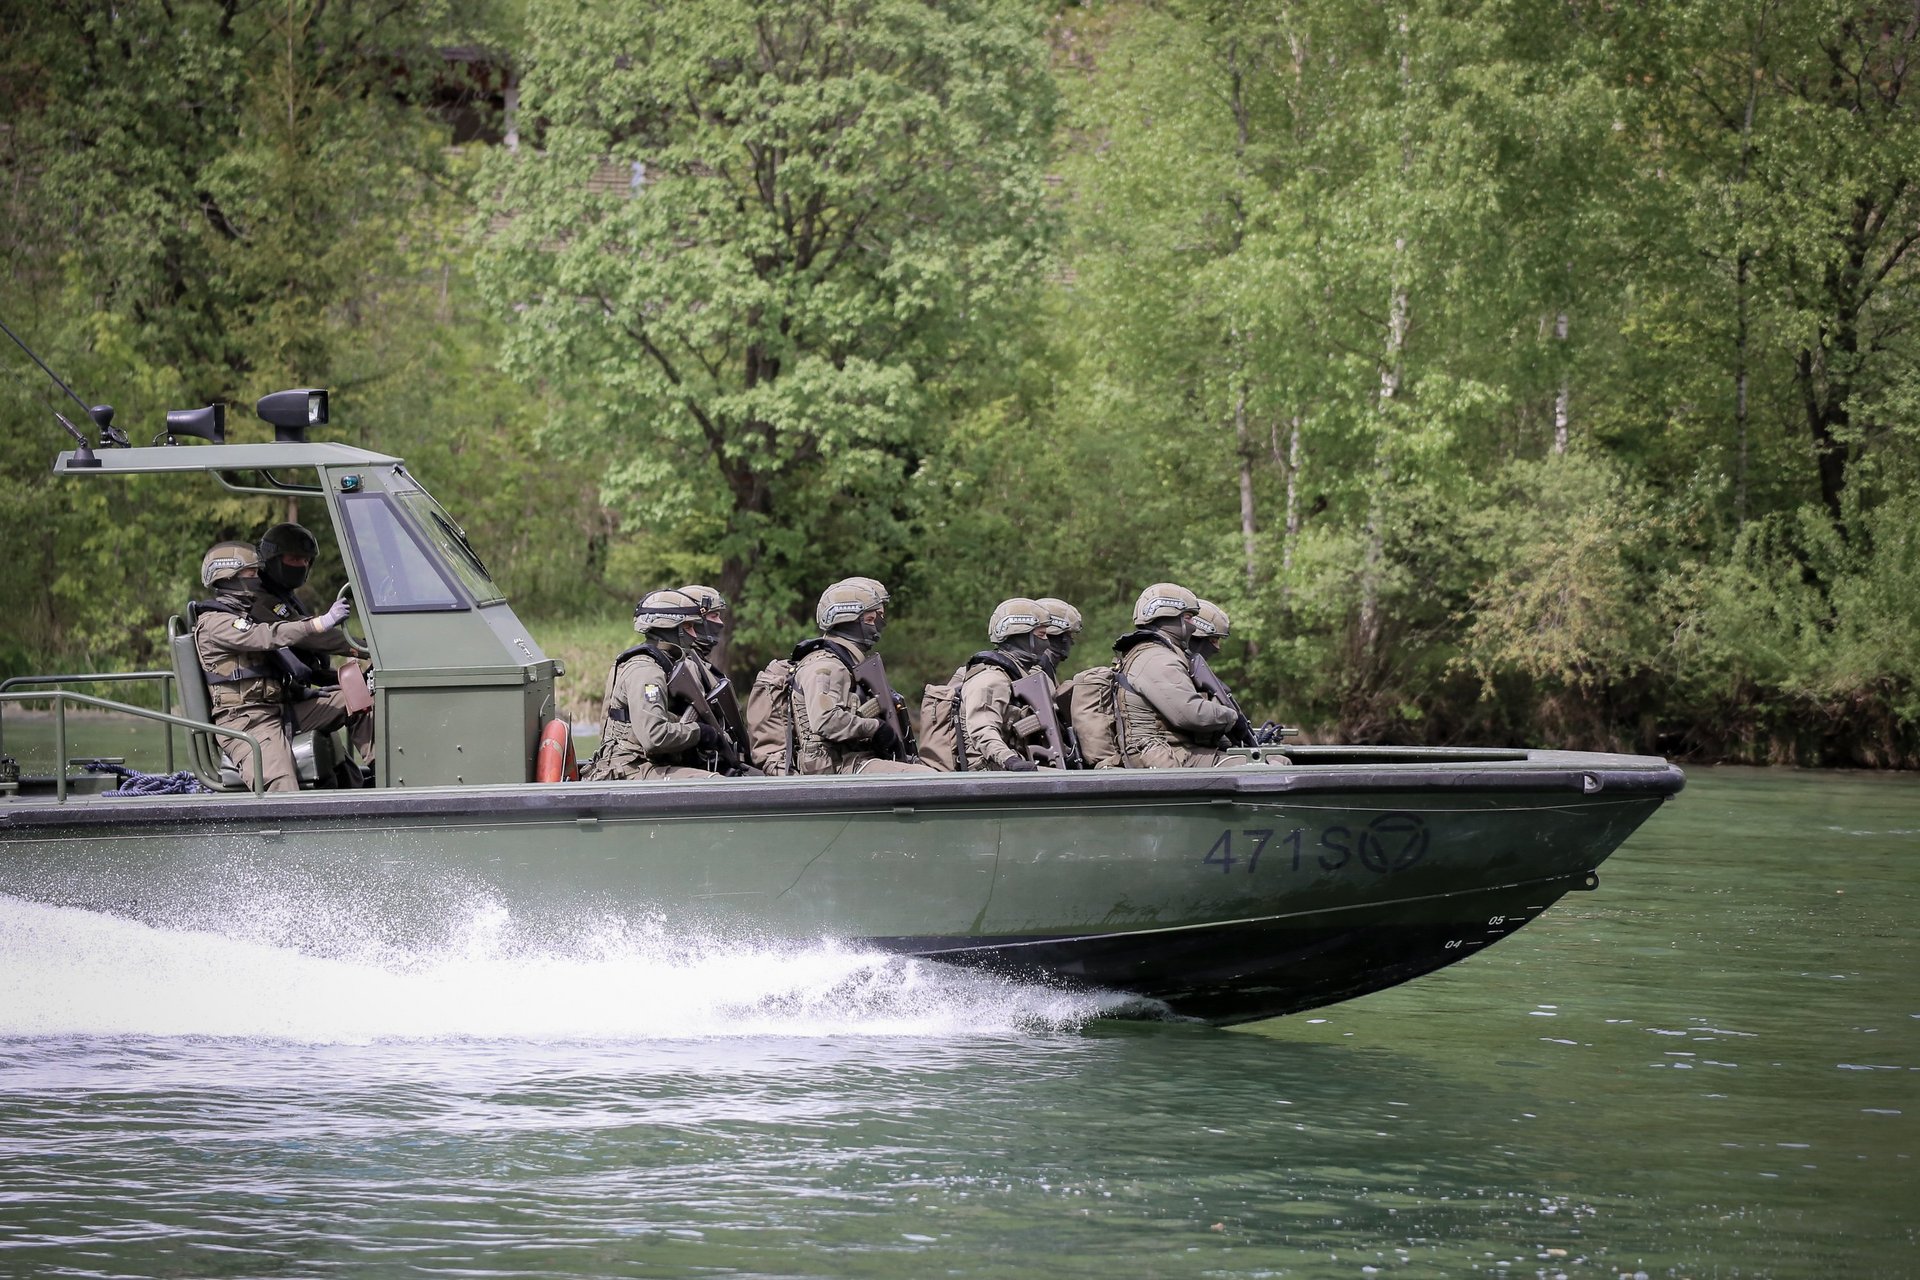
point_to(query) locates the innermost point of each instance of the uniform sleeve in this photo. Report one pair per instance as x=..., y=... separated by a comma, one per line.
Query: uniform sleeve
x=1167, y=683
x=230, y=633
x=984, y=700
x=656, y=731
x=827, y=690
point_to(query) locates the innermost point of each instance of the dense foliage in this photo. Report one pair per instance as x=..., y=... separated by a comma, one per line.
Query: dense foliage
x=1515, y=370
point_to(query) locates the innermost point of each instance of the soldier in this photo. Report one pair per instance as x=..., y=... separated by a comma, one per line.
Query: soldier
x=1210, y=627
x=287, y=552
x=707, y=634
x=998, y=725
x=248, y=690
x=1165, y=721
x=1065, y=623
x=840, y=725
x=640, y=735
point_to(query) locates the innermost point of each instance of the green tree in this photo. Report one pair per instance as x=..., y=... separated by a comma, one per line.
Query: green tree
x=822, y=222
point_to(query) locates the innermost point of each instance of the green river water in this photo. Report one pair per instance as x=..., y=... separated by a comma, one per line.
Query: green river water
x=1708, y=1067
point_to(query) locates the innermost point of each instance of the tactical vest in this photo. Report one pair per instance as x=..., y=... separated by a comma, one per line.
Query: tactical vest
x=616, y=722
x=1139, y=722
x=832, y=752
x=235, y=679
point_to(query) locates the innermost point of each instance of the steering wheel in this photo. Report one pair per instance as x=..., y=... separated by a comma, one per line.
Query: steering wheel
x=346, y=593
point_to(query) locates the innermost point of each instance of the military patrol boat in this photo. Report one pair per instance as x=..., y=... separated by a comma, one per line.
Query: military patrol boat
x=1218, y=894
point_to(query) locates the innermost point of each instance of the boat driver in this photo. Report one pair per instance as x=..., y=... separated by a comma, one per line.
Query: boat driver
x=249, y=691
x=1165, y=721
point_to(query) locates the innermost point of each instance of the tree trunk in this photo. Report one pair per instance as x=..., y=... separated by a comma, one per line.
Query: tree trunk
x=1247, y=529
x=1562, y=402
x=1293, y=511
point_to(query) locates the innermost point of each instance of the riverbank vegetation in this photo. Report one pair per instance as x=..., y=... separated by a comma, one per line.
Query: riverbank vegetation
x=1534, y=372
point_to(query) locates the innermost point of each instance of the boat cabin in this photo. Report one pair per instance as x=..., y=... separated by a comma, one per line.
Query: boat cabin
x=460, y=688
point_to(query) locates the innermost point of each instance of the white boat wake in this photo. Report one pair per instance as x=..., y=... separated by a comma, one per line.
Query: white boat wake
x=67, y=972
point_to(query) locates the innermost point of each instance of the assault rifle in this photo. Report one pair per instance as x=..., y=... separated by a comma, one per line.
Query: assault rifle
x=685, y=683
x=1054, y=748
x=1241, y=734
x=871, y=674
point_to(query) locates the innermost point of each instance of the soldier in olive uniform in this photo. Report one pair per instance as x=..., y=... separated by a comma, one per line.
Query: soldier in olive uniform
x=1065, y=623
x=287, y=552
x=249, y=690
x=640, y=736
x=1164, y=720
x=998, y=726
x=707, y=634
x=839, y=725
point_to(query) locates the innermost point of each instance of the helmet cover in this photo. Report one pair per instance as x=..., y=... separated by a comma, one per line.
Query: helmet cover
x=1212, y=624
x=225, y=560
x=1016, y=617
x=1164, y=600
x=664, y=611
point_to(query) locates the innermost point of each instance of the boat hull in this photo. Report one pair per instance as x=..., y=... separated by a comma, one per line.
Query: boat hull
x=1225, y=895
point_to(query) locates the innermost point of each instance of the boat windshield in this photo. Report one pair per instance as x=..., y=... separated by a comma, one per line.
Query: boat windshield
x=447, y=537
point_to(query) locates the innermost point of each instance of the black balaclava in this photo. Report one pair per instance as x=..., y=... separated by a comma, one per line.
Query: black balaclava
x=707, y=633
x=1205, y=647
x=284, y=540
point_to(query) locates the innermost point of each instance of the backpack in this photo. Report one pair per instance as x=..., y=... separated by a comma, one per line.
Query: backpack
x=942, y=745
x=770, y=718
x=1096, y=716
x=943, y=739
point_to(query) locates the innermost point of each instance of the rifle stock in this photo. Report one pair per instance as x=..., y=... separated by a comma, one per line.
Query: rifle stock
x=1036, y=691
x=1241, y=735
x=871, y=674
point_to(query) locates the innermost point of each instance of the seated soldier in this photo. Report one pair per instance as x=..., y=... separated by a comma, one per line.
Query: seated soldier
x=1065, y=623
x=1165, y=721
x=287, y=552
x=999, y=727
x=641, y=736
x=1209, y=629
x=249, y=690
x=841, y=725
x=707, y=634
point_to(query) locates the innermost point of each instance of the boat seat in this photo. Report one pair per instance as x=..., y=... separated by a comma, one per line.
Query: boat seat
x=315, y=755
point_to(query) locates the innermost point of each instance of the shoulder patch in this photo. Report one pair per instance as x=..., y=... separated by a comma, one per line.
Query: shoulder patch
x=281, y=611
x=240, y=623
x=651, y=693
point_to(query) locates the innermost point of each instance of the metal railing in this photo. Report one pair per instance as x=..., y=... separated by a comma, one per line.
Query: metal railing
x=166, y=679
x=61, y=697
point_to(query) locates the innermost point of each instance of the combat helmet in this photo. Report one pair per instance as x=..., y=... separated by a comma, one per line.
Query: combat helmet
x=1061, y=616
x=1164, y=600
x=1212, y=624
x=664, y=611
x=287, y=539
x=226, y=560
x=1016, y=617
x=706, y=599
x=846, y=600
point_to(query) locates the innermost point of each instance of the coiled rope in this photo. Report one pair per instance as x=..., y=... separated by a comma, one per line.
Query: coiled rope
x=135, y=783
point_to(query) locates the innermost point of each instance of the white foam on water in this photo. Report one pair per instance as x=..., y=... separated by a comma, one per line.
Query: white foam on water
x=65, y=971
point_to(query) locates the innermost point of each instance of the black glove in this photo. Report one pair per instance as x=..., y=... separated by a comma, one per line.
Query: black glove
x=885, y=740
x=1017, y=763
x=709, y=736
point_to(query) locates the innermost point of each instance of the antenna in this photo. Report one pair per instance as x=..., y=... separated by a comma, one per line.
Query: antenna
x=101, y=415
